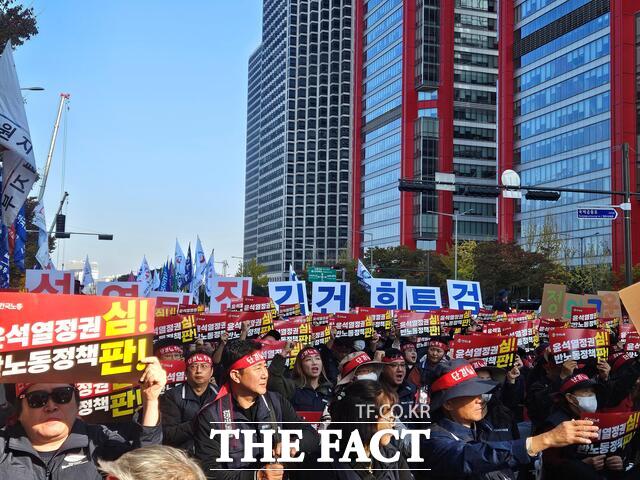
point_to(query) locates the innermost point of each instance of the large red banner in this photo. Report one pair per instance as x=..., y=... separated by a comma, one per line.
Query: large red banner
x=72, y=338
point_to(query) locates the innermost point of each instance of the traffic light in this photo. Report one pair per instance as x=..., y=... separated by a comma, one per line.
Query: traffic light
x=542, y=195
x=61, y=221
x=477, y=191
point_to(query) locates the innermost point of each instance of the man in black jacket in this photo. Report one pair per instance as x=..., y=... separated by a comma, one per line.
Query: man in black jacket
x=50, y=443
x=180, y=405
x=244, y=404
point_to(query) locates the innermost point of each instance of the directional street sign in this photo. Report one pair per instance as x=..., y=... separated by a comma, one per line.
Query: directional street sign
x=321, y=274
x=598, y=213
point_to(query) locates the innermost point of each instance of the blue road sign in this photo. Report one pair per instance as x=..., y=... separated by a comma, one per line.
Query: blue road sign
x=598, y=213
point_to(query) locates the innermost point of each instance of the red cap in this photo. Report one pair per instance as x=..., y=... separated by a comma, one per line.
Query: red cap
x=453, y=378
x=576, y=381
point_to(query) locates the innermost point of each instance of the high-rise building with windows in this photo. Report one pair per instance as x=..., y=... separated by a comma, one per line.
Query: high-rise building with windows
x=568, y=87
x=298, y=135
x=425, y=87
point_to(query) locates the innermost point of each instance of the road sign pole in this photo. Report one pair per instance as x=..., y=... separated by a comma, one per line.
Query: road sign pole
x=628, y=272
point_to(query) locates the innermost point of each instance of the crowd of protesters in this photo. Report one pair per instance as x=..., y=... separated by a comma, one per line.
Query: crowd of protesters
x=485, y=422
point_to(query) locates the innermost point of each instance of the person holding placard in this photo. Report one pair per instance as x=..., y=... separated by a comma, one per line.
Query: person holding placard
x=50, y=442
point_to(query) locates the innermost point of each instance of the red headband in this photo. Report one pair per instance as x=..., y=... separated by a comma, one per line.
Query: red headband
x=571, y=382
x=247, y=361
x=170, y=349
x=436, y=343
x=395, y=358
x=355, y=362
x=407, y=346
x=307, y=353
x=244, y=362
x=199, y=358
x=21, y=388
x=453, y=378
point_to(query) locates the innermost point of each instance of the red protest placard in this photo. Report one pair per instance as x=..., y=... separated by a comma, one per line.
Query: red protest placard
x=259, y=323
x=617, y=430
x=584, y=317
x=287, y=311
x=625, y=329
x=271, y=348
x=380, y=317
x=210, y=326
x=295, y=329
x=610, y=324
x=252, y=303
x=318, y=319
x=71, y=338
x=320, y=335
x=418, y=323
x=176, y=372
x=525, y=332
x=632, y=343
x=106, y=402
x=353, y=325
x=493, y=327
x=578, y=344
x=310, y=417
x=178, y=327
x=496, y=350
x=545, y=324
x=485, y=315
x=453, y=321
x=519, y=317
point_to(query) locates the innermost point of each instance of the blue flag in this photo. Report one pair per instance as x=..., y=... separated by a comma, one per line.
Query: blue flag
x=4, y=256
x=21, y=239
x=164, y=278
x=188, y=270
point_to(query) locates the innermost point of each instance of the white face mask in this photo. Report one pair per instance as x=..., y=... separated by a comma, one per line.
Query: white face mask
x=588, y=404
x=486, y=397
x=368, y=376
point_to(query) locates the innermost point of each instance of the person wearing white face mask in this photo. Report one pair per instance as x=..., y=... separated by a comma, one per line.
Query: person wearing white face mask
x=579, y=395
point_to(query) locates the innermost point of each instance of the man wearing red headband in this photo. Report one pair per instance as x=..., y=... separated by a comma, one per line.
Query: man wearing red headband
x=180, y=405
x=436, y=351
x=243, y=403
x=51, y=442
x=169, y=350
x=394, y=379
x=462, y=446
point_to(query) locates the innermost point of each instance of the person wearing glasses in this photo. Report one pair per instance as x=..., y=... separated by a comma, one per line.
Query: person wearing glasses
x=180, y=405
x=50, y=442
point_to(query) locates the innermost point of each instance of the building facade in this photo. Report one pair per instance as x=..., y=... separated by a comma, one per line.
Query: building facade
x=425, y=89
x=298, y=136
x=568, y=85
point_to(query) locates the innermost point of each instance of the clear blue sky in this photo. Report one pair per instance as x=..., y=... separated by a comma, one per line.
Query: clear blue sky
x=155, y=143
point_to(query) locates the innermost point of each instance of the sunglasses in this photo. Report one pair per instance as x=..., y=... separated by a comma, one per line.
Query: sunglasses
x=39, y=398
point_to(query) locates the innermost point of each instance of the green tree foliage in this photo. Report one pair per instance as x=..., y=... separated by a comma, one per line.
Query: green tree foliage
x=258, y=272
x=17, y=23
x=31, y=247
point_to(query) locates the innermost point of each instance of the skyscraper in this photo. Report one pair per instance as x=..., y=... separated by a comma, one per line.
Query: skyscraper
x=298, y=135
x=425, y=80
x=568, y=89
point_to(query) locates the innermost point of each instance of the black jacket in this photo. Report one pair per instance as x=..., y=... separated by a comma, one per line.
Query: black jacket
x=76, y=458
x=270, y=411
x=179, y=406
x=354, y=471
x=457, y=452
x=303, y=399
